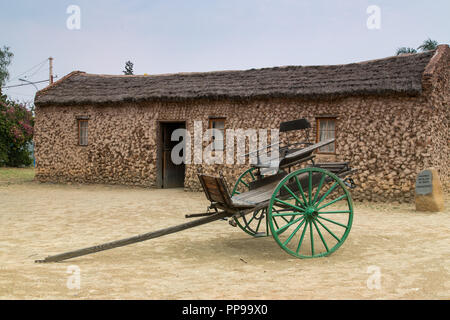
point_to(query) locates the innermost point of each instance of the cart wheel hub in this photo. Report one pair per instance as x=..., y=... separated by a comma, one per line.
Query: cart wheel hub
x=310, y=212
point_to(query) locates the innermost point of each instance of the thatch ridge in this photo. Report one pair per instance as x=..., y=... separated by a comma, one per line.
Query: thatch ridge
x=392, y=75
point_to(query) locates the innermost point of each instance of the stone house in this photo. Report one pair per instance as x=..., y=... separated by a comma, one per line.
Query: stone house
x=389, y=117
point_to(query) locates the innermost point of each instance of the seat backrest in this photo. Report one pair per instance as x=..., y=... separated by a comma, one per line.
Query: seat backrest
x=216, y=190
x=299, y=124
x=294, y=125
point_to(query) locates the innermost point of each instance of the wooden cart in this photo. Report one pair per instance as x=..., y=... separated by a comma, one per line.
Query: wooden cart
x=308, y=210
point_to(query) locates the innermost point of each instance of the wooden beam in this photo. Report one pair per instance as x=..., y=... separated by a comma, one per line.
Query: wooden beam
x=138, y=238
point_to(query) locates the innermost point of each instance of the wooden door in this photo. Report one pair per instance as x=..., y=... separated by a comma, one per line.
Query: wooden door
x=172, y=174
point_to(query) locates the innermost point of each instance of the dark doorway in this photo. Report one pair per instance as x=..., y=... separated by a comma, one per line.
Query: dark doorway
x=171, y=174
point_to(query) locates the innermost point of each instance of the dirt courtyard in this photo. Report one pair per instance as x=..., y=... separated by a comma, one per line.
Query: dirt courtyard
x=392, y=251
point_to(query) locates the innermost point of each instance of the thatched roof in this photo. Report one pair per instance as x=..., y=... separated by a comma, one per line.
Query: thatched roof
x=393, y=75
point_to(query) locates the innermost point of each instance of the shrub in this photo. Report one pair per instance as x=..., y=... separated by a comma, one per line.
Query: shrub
x=16, y=133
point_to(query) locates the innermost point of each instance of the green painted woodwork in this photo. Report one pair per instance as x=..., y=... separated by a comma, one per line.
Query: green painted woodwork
x=317, y=210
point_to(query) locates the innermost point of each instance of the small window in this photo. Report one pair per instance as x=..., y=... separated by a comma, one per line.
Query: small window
x=219, y=124
x=326, y=129
x=83, y=132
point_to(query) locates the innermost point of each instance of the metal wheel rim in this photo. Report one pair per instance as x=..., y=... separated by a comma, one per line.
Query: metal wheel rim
x=311, y=223
x=254, y=216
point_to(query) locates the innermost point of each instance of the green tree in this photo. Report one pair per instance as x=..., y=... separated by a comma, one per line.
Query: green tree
x=16, y=123
x=128, y=68
x=5, y=60
x=428, y=45
x=16, y=133
x=404, y=50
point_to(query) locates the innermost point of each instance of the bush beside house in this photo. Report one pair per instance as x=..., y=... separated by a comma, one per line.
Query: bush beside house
x=16, y=133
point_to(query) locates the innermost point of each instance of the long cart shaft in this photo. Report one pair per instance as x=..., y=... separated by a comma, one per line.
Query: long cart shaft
x=138, y=238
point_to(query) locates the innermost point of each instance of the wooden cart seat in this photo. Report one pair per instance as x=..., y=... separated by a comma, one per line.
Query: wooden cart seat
x=305, y=152
x=256, y=196
x=334, y=167
x=216, y=191
x=293, y=156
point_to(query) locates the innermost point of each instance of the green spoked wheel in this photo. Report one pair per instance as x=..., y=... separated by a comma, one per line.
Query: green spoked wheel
x=255, y=224
x=317, y=212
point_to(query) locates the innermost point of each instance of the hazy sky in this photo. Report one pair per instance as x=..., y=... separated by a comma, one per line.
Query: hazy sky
x=180, y=36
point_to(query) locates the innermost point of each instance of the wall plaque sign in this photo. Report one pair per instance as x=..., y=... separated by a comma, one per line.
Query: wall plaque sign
x=424, y=182
x=429, y=195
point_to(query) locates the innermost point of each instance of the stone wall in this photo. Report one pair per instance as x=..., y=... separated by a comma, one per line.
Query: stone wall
x=436, y=87
x=388, y=139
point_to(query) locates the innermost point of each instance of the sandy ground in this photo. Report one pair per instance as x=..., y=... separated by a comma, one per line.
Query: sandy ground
x=409, y=250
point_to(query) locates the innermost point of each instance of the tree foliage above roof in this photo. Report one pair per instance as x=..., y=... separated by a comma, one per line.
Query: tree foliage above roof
x=404, y=50
x=427, y=45
x=5, y=60
x=128, y=68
